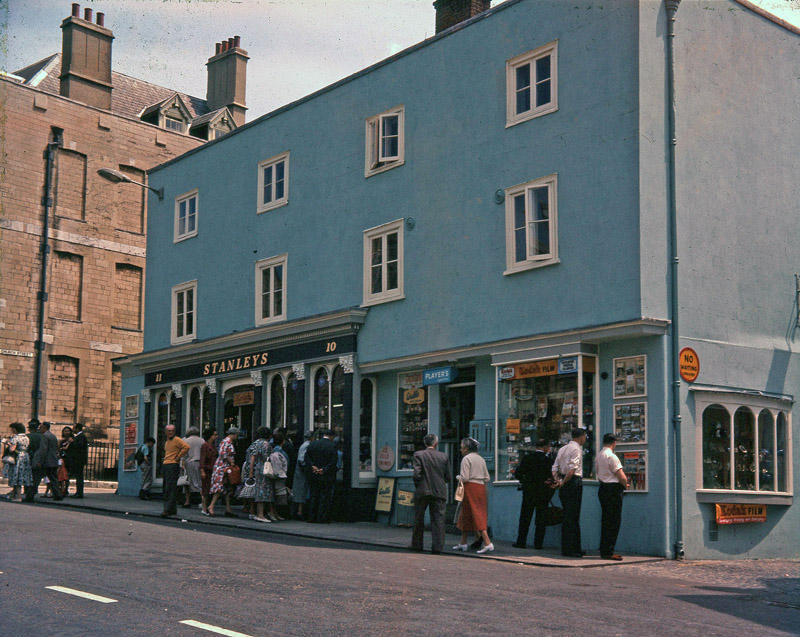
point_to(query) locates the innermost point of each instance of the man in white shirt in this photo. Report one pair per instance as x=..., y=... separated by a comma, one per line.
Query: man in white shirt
x=568, y=472
x=613, y=483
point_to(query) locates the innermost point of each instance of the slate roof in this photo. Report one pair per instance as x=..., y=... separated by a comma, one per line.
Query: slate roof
x=129, y=97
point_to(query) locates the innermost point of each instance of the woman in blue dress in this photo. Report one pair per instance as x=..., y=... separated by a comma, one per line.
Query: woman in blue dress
x=257, y=454
x=18, y=473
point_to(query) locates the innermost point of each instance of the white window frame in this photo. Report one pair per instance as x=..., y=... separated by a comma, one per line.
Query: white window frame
x=185, y=197
x=263, y=206
x=263, y=264
x=532, y=261
x=731, y=402
x=188, y=336
x=385, y=295
x=374, y=160
x=283, y=374
x=512, y=117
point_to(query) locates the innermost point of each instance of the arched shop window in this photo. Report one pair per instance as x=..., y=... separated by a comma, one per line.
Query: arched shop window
x=165, y=415
x=195, y=409
x=337, y=401
x=322, y=394
x=277, y=402
x=716, y=448
x=199, y=408
x=294, y=403
x=752, y=455
x=328, y=398
x=366, y=449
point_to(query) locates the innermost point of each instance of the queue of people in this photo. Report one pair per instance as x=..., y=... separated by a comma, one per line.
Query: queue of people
x=36, y=455
x=269, y=480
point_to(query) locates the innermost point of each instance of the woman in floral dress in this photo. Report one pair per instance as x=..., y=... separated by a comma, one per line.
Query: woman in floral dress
x=257, y=454
x=280, y=464
x=224, y=460
x=18, y=473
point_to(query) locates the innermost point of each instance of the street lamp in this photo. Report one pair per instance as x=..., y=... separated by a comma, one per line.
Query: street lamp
x=116, y=177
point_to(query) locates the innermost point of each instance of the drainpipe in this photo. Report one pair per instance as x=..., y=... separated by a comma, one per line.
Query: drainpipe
x=672, y=8
x=47, y=202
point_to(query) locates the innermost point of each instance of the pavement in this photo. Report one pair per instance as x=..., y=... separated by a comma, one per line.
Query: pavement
x=103, y=500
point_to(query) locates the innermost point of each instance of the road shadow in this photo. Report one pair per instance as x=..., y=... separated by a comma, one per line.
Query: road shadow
x=776, y=605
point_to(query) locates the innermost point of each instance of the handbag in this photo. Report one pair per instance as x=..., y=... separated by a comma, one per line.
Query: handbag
x=9, y=459
x=233, y=475
x=183, y=479
x=554, y=515
x=267, y=470
x=248, y=490
x=459, y=492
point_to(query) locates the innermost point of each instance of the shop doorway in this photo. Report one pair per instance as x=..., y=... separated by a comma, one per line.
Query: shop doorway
x=239, y=412
x=457, y=409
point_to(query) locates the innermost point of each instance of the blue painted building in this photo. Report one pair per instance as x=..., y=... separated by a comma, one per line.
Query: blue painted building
x=490, y=234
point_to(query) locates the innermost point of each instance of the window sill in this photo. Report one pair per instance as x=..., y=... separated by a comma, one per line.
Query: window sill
x=531, y=265
x=272, y=206
x=271, y=321
x=135, y=330
x=382, y=169
x=552, y=108
x=184, y=237
x=741, y=497
x=183, y=341
x=383, y=299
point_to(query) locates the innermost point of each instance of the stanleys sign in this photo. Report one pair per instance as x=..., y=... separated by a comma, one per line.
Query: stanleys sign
x=253, y=360
x=741, y=513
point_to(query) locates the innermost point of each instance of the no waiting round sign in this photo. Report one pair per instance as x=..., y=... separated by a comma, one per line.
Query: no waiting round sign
x=689, y=364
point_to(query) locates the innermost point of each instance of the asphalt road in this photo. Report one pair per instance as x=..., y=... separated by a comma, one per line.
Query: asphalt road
x=163, y=573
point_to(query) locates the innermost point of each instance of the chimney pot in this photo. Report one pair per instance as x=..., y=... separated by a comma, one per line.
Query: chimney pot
x=219, y=48
x=230, y=43
x=237, y=41
x=101, y=19
x=76, y=10
x=87, y=15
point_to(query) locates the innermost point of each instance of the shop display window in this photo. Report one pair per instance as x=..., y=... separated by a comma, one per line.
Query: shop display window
x=276, y=404
x=544, y=399
x=412, y=417
x=199, y=408
x=329, y=387
x=367, y=422
x=742, y=451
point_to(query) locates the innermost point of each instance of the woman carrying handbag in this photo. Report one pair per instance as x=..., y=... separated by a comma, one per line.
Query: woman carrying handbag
x=474, y=509
x=257, y=456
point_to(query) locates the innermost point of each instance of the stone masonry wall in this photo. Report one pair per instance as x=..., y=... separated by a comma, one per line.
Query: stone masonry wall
x=97, y=258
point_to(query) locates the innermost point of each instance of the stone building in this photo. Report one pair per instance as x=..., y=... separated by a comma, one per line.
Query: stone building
x=63, y=118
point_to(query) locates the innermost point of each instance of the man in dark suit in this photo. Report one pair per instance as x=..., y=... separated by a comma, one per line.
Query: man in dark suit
x=431, y=475
x=322, y=457
x=46, y=461
x=79, y=456
x=535, y=475
x=38, y=473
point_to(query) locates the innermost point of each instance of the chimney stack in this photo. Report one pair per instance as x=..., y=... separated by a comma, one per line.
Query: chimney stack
x=452, y=12
x=86, y=59
x=227, y=76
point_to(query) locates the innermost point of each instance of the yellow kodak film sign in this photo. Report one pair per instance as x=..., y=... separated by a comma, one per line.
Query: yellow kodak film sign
x=741, y=513
x=689, y=363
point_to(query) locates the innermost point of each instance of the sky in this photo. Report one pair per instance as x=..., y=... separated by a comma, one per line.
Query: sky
x=295, y=46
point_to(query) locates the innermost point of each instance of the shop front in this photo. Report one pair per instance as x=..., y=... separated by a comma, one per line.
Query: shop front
x=300, y=379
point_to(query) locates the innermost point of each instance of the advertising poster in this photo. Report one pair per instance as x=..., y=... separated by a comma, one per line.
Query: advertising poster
x=130, y=432
x=634, y=464
x=630, y=423
x=129, y=458
x=630, y=377
x=383, y=498
x=131, y=407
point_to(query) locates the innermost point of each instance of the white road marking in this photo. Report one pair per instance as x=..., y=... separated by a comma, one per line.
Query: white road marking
x=72, y=591
x=213, y=629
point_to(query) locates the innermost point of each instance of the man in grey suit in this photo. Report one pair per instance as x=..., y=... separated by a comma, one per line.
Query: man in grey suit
x=45, y=461
x=431, y=475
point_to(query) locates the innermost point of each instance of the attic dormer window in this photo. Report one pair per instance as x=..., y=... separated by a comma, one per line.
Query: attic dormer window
x=171, y=123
